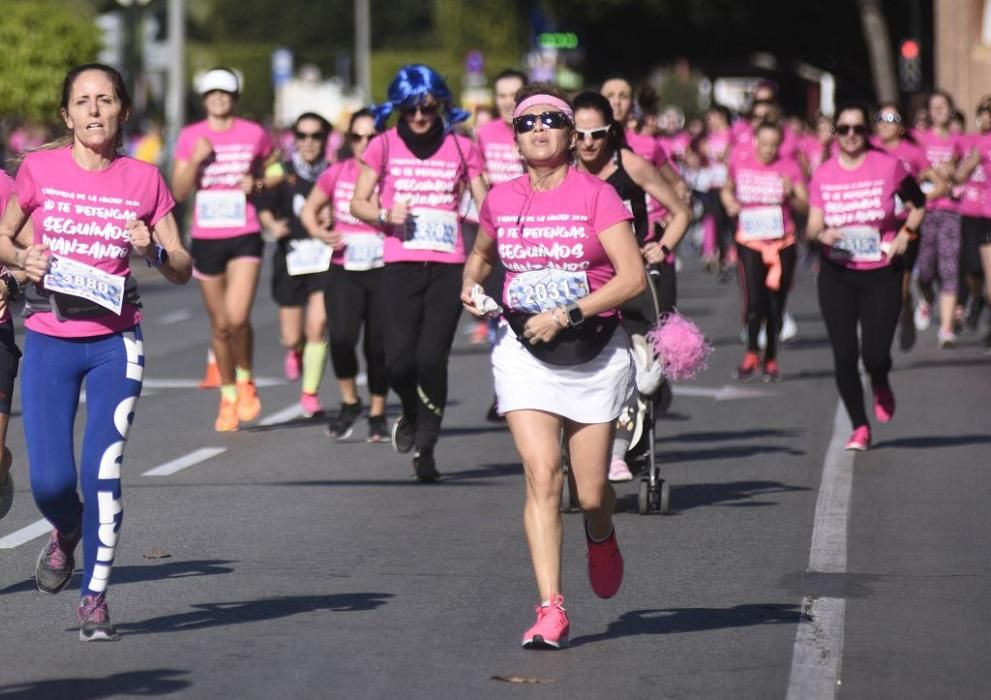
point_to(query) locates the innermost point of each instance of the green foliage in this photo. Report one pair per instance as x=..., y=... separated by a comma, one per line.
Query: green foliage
x=252, y=59
x=41, y=40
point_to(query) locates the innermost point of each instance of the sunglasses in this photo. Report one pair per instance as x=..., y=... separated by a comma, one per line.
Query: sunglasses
x=594, y=134
x=888, y=118
x=426, y=110
x=550, y=120
x=847, y=129
x=314, y=135
x=360, y=137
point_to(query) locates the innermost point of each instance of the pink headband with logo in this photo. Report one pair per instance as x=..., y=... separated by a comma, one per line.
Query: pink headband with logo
x=556, y=102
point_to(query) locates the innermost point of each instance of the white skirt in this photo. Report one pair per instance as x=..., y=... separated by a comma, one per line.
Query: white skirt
x=593, y=392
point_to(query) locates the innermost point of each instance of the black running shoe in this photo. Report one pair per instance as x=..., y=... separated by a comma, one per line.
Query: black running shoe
x=378, y=429
x=341, y=427
x=493, y=415
x=403, y=435
x=424, y=466
x=972, y=312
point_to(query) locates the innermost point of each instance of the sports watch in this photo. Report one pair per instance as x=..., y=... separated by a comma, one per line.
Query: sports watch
x=575, y=314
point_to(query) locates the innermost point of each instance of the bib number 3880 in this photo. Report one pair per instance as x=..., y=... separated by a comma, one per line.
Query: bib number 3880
x=540, y=290
x=81, y=280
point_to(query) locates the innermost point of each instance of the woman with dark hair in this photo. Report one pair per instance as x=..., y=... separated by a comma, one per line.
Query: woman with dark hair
x=852, y=214
x=354, y=292
x=91, y=208
x=220, y=162
x=562, y=365
x=411, y=181
x=602, y=151
x=891, y=136
x=299, y=267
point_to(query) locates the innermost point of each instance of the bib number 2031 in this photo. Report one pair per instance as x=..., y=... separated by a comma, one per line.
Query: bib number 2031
x=540, y=290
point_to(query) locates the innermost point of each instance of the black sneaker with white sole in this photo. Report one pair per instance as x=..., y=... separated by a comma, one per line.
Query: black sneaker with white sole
x=343, y=425
x=403, y=435
x=425, y=467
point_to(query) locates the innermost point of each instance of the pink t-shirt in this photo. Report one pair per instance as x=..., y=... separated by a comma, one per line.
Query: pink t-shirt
x=674, y=145
x=81, y=214
x=911, y=156
x=648, y=148
x=982, y=144
x=337, y=182
x=432, y=191
x=224, y=212
x=744, y=142
x=548, y=240
x=813, y=150
x=499, y=152
x=6, y=189
x=861, y=200
x=973, y=193
x=938, y=150
x=759, y=187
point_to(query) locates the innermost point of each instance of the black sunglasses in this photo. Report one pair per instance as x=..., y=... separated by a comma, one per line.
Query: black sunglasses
x=847, y=129
x=360, y=137
x=315, y=135
x=426, y=110
x=550, y=120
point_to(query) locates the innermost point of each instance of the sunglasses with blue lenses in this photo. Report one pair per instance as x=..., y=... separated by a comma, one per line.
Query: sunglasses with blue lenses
x=550, y=120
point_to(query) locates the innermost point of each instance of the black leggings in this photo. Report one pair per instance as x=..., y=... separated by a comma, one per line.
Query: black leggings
x=353, y=298
x=10, y=356
x=424, y=305
x=761, y=304
x=870, y=299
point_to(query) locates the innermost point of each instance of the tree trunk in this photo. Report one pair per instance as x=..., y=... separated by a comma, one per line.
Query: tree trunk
x=879, y=49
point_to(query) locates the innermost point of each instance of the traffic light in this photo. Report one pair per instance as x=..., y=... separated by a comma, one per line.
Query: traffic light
x=910, y=66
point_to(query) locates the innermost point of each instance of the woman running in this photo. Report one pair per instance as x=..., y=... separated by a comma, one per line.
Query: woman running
x=421, y=170
x=602, y=151
x=761, y=193
x=563, y=363
x=297, y=289
x=852, y=214
x=220, y=161
x=91, y=208
x=354, y=293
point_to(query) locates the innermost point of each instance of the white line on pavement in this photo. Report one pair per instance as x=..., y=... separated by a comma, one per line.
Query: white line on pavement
x=151, y=383
x=26, y=534
x=727, y=392
x=818, y=654
x=286, y=414
x=186, y=461
x=175, y=317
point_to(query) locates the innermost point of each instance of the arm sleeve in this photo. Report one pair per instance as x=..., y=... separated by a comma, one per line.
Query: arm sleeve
x=27, y=195
x=328, y=180
x=164, y=202
x=473, y=158
x=909, y=191
x=374, y=155
x=485, y=218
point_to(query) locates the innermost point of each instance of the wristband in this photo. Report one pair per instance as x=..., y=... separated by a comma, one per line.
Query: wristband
x=13, y=288
x=665, y=250
x=913, y=234
x=383, y=216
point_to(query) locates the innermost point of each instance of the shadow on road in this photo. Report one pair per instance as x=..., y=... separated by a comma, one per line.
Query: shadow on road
x=726, y=452
x=159, y=681
x=677, y=620
x=736, y=494
x=934, y=441
x=148, y=572
x=206, y=615
x=468, y=476
x=721, y=435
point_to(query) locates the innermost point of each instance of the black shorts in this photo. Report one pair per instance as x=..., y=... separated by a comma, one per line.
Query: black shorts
x=975, y=232
x=10, y=356
x=293, y=290
x=211, y=255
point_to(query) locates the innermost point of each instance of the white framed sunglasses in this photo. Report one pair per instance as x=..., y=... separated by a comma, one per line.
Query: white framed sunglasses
x=594, y=134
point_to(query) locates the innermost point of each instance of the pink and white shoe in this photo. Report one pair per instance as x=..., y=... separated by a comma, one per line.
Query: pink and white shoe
x=619, y=471
x=293, y=365
x=860, y=440
x=884, y=403
x=605, y=565
x=310, y=404
x=550, y=631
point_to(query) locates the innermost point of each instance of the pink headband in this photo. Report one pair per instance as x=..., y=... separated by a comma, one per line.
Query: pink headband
x=545, y=100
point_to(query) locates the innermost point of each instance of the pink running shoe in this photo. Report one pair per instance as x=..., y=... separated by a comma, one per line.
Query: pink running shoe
x=94, y=620
x=550, y=631
x=605, y=565
x=293, y=365
x=884, y=403
x=860, y=440
x=619, y=471
x=310, y=404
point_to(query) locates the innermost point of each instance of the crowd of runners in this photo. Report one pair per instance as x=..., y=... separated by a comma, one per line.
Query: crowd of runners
x=559, y=221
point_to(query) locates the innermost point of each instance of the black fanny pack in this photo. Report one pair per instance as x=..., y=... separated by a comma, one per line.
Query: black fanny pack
x=71, y=307
x=574, y=345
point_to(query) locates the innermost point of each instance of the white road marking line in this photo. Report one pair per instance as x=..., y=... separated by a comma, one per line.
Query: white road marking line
x=150, y=383
x=727, y=392
x=818, y=654
x=26, y=534
x=186, y=461
x=174, y=317
x=286, y=414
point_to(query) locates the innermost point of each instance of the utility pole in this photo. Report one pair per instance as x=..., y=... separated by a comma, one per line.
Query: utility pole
x=175, y=93
x=363, y=47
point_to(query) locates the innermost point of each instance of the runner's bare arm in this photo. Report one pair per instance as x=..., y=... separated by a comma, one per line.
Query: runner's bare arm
x=478, y=268
x=650, y=181
x=178, y=268
x=32, y=258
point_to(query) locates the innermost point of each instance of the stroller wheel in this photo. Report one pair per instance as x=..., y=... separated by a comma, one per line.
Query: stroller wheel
x=643, y=497
x=664, y=506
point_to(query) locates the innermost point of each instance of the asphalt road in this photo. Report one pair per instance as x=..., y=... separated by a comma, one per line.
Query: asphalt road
x=280, y=564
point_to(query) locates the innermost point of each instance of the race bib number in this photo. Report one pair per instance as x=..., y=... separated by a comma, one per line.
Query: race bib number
x=718, y=174
x=761, y=223
x=860, y=243
x=433, y=229
x=81, y=280
x=308, y=255
x=540, y=290
x=221, y=209
x=362, y=251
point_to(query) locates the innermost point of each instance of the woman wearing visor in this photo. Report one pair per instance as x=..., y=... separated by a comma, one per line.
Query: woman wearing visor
x=219, y=162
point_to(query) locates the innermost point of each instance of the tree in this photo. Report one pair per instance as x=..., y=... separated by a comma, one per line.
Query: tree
x=41, y=40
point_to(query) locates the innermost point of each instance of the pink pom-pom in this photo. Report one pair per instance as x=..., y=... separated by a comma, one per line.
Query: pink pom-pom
x=680, y=346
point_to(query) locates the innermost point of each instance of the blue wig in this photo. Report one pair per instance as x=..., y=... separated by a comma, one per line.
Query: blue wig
x=411, y=86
